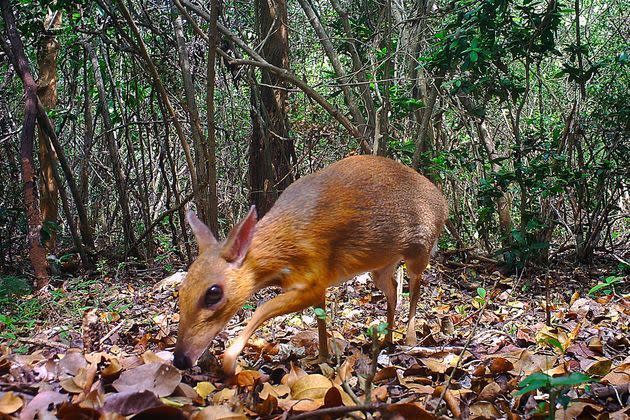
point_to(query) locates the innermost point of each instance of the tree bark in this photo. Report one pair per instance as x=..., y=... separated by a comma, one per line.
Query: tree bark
x=213, y=41
x=271, y=145
x=200, y=146
x=37, y=253
x=47, y=52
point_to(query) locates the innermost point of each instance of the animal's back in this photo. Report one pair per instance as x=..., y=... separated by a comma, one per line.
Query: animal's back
x=357, y=214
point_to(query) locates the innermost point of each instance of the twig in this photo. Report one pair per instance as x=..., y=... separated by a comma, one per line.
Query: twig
x=366, y=408
x=43, y=342
x=428, y=351
x=110, y=333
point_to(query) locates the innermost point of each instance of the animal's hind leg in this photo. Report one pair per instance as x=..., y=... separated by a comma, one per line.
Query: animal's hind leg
x=415, y=268
x=385, y=282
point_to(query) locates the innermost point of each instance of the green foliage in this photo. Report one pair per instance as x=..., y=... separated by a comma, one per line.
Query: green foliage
x=557, y=387
x=607, y=287
x=544, y=382
x=320, y=313
x=378, y=331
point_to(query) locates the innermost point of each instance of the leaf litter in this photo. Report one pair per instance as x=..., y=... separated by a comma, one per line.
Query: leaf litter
x=477, y=343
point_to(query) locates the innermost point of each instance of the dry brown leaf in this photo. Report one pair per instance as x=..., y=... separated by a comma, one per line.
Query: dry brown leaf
x=127, y=403
x=267, y=407
x=294, y=374
x=619, y=375
x=381, y=393
x=599, y=367
x=300, y=406
x=484, y=410
x=409, y=411
x=277, y=391
x=163, y=412
x=10, y=403
x=70, y=386
x=579, y=409
x=247, y=378
x=489, y=392
x=311, y=386
x=40, y=403
x=435, y=365
x=500, y=365
x=204, y=389
x=71, y=362
x=155, y=377
x=226, y=394
x=385, y=374
x=112, y=370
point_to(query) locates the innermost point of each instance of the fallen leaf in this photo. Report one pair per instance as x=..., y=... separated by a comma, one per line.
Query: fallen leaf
x=218, y=412
x=75, y=411
x=247, y=378
x=40, y=403
x=204, y=389
x=71, y=362
x=267, y=407
x=599, y=367
x=294, y=374
x=384, y=374
x=490, y=392
x=500, y=365
x=277, y=391
x=226, y=394
x=10, y=403
x=164, y=412
x=484, y=410
x=409, y=411
x=158, y=378
x=311, y=387
x=127, y=403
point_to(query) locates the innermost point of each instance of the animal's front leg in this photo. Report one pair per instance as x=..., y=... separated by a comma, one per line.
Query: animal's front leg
x=290, y=301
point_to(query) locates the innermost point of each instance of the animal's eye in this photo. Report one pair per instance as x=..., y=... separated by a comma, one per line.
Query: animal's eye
x=213, y=295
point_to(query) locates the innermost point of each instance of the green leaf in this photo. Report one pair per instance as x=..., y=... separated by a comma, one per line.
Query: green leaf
x=481, y=292
x=555, y=343
x=320, y=313
x=474, y=56
x=533, y=382
x=575, y=378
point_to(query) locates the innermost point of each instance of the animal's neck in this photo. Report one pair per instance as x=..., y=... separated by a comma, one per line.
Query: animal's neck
x=273, y=252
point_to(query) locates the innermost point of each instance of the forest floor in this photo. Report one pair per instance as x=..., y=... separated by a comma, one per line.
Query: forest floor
x=490, y=346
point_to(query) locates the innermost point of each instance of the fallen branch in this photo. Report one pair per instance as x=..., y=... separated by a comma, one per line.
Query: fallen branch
x=43, y=342
x=366, y=408
x=110, y=333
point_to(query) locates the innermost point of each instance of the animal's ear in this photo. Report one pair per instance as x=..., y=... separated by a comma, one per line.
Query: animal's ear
x=205, y=238
x=240, y=238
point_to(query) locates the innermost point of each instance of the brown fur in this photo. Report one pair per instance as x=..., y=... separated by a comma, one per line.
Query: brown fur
x=363, y=213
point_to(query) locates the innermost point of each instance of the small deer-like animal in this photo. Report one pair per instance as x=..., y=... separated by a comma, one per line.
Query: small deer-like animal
x=360, y=214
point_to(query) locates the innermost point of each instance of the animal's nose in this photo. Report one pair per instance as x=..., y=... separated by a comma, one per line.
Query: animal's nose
x=181, y=361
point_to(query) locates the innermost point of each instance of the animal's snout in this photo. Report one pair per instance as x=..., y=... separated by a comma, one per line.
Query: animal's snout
x=181, y=361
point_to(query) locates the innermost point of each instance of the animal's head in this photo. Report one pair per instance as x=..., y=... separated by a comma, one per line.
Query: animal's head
x=215, y=288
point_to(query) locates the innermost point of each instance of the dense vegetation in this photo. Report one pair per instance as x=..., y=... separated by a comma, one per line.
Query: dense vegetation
x=518, y=109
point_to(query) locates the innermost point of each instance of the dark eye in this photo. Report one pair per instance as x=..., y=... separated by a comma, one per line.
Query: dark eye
x=213, y=295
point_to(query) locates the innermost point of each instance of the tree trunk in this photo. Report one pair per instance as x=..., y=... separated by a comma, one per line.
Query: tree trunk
x=47, y=51
x=199, y=142
x=213, y=41
x=270, y=145
x=37, y=253
x=112, y=149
